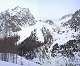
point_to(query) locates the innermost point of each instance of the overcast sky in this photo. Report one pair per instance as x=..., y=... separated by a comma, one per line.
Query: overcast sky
x=51, y=9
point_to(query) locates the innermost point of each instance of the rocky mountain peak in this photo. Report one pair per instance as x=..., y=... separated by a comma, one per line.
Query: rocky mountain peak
x=11, y=20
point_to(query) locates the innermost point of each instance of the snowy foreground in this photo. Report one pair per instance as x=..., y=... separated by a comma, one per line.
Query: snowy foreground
x=57, y=62
x=53, y=61
x=3, y=63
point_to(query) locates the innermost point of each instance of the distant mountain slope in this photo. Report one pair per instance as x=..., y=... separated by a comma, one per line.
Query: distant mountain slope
x=74, y=22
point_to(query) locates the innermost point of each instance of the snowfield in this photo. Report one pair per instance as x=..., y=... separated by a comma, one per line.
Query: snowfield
x=54, y=61
x=20, y=62
x=26, y=31
x=3, y=63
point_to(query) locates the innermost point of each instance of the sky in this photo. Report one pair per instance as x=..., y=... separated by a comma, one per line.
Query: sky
x=45, y=9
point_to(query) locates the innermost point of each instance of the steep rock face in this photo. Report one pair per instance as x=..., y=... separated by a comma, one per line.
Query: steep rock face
x=12, y=20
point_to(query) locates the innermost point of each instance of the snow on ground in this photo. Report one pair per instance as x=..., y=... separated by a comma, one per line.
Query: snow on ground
x=60, y=60
x=65, y=35
x=21, y=61
x=59, y=38
x=3, y=63
x=26, y=31
x=67, y=18
x=24, y=62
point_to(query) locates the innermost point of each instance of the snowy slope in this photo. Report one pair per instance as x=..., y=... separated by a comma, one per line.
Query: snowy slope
x=3, y=63
x=26, y=30
x=65, y=18
x=65, y=33
x=20, y=61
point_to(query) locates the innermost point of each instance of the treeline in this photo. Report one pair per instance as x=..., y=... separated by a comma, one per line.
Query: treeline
x=26, y=49
x=8, y=49
x=8, y=44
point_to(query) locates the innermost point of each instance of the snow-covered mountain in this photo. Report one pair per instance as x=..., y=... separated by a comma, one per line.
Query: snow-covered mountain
x=11, y=20
x=60, y=34
x=19, y=21
x=41, y=28
x=42, y=32
x=65, y=18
